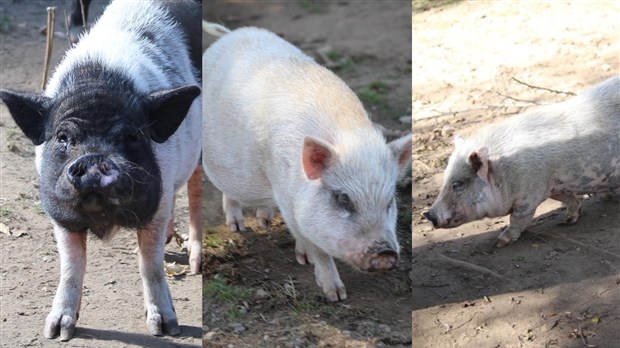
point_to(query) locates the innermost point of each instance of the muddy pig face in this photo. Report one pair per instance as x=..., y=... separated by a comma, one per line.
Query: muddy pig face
x=95, y=153
x=349, y=208
x=466, y=194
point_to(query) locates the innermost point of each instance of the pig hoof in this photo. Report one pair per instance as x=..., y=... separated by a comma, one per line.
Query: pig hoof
x=263, y=222
x=56, y=323
x=156, y=325
x=302, y=258
x=572, y=217
x=335, y=295
x=502, y=242
x=236, y=226
x=195, y=254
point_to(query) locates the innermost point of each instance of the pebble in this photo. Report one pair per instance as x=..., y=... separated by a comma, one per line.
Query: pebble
x=237, y=328
x=210, y=335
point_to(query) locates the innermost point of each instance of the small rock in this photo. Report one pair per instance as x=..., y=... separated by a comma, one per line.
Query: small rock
x=209, y=336
x=237, y=328
x=405, y=119
x=261, y=294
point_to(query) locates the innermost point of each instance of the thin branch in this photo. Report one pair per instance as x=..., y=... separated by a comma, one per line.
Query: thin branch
x=543, y=88
x=51, y=11
x=517, y=99
x=83, y=14
x=469, y=266
x=584, y=245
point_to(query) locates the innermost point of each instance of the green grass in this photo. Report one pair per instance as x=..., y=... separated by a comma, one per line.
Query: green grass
x=6, y=25
x=313, y=6
x=218, y=290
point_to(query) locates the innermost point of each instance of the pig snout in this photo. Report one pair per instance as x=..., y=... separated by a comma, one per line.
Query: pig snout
x=92, y=173
x=382, y=259
x=431, y=217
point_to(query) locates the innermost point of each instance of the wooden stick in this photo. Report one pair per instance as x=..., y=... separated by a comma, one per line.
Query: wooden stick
x=51, y=11
x=83, y=14
x=543, y=88
x=67, y=28
x=468, y=266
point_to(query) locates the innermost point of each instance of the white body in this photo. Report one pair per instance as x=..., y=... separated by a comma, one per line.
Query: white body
x=557, y=151
x=262, y=98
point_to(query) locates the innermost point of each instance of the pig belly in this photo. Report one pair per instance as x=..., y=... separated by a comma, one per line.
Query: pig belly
x=234, y=170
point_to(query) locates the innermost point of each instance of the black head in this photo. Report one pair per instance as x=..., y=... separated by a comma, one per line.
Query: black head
x=98, y=168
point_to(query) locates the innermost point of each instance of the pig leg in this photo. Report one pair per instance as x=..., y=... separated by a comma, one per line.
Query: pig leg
x=194, y=246
x=66, y=306
x=573, y=206
x=170, y=229
x=264, y=216
x=520, y=217
x=160, y=314
x=234, y=214
x=325, y=271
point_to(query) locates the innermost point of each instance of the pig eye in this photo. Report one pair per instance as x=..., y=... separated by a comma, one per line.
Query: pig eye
x=132, y=136
x=344, y=201
x=457, y=185
x=62, y=138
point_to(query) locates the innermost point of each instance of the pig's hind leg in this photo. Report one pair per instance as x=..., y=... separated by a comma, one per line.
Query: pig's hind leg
x=66, y=306
x=160, y=314
x=520, y=217
x=194, y=244
x=264, y=215
x=234, y=214
x=573, y=206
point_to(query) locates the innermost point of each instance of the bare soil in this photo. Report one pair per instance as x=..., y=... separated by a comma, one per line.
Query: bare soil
x=557, y=286
x=276, y=301
x=112, y=313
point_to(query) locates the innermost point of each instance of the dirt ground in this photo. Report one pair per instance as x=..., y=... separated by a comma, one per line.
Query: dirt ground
x=557, y=286
x=112, y=313
x=256, y=295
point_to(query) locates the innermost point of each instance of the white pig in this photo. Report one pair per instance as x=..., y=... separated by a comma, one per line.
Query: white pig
x=558, y=151
x=282, y=131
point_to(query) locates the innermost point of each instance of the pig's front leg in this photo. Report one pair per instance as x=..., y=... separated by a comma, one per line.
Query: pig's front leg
x=66, y=306
x=520, y=217
x=325, y=271
x=234, y=214
x=160, y=314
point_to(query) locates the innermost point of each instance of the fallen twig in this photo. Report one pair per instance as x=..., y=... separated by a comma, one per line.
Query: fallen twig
x=423, y=285
x=82, y=9
x=465, y=322
x=67, y=28
x=543, y=88
x=469, y=266
x=517, y=99
x=51, y=12
x=584, y=244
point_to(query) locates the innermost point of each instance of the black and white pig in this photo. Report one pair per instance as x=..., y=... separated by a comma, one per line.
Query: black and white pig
x=117, y=133
x=558, y=151
x=282, y=131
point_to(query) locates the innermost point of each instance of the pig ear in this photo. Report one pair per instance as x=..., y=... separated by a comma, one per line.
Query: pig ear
x=29, y=111
x=401, y=148
x=316, y=156
x=167, y=109
x=479, y=161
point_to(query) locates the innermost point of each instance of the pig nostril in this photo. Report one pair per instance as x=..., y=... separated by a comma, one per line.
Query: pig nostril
x=76, y=170
x=430, y=218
